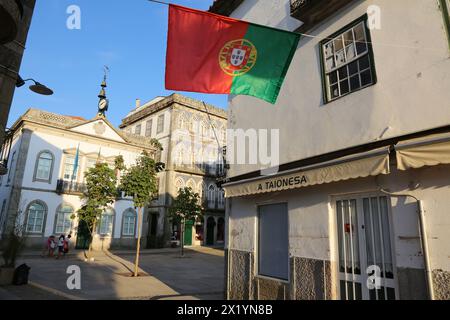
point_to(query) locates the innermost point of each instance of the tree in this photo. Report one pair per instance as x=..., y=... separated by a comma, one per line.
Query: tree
x=186, y=207
x=139, y=182
x=100, y=192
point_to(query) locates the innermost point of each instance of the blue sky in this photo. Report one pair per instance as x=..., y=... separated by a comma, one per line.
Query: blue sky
x=127, y=35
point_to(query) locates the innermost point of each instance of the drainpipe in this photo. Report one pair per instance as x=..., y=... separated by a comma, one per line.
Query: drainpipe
x=228, y=245
x=423, y=240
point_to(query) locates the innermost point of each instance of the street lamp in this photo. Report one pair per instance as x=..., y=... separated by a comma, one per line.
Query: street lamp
x=37, y=87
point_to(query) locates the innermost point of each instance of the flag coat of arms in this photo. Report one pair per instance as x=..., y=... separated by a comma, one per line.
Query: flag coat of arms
x=209, y=53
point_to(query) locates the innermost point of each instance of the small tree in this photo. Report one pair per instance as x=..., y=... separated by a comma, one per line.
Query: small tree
x=100, y=192
x=15, y=241
x=139, y=182
x=186, y=207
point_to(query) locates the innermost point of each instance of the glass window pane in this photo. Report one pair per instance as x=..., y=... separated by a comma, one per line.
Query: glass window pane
x=343, y=73
x=366, y=78
x=361, y=47
x=334, y=91
x=328, y=50
x=376, y=232
x=353, y=68
x=338, y=44
x=359, y=32
x=330, y=63
x=350, y=52
x=364, y=63
x=354, y=83
x=340, y=227
x=389, y=269
x=345, y=87
x=340, y=58
x=332, y=77
x=348, y=37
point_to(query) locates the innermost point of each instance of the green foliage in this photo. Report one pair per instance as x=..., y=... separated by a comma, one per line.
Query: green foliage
x=100, y=192
x=157, y=144
x=14, y=242
x=186, y=206
x=119, y=163
x=139, y=181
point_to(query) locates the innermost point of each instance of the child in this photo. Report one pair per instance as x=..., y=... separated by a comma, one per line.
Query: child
x=61, y=241
x=67, y=244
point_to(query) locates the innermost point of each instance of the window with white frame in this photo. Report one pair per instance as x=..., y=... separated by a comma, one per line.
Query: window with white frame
x=365, y=243
x=273, y=241
x=148, y=128
x=44, y=166
x=13, y=159
x=129, y=223
x=211, y=196
x=138, y=130
x=221, y=199
x=69, y=168
x=35, y=217
x=160, y=124
x=106, y=222
x=348, y=61
x=63, y=223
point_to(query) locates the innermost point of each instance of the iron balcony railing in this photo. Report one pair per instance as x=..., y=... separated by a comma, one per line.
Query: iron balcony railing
x=70, y=187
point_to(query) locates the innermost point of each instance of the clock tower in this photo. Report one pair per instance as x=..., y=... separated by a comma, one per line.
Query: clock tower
x=103, y=101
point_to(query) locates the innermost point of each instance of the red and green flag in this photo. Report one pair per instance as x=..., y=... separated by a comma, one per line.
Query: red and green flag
x=210, y=53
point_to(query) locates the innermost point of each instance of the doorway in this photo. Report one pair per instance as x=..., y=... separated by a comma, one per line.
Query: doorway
x=84, y=237
x=366, y=265
x=210, y=225
x=188, y=233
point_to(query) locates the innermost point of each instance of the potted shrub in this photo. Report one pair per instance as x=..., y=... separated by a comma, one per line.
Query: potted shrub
x=14, y=244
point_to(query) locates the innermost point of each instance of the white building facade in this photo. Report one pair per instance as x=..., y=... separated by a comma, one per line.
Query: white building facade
x=362, y=190
x=192, y=141
x=41, y=191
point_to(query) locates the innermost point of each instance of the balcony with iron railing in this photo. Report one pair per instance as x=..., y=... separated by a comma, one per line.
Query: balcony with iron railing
x=70, y=187
x=313, y=12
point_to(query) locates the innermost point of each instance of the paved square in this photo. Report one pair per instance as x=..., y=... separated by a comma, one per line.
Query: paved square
x=198, y=275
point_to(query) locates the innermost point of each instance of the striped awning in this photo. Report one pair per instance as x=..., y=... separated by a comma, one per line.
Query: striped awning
x=429, y=151
x=367, y=164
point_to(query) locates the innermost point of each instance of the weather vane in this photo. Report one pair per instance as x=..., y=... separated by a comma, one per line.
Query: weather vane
x=103, y=102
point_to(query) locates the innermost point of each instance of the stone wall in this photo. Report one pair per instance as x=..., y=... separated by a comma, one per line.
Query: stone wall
x=309, y=280
x=441, y=284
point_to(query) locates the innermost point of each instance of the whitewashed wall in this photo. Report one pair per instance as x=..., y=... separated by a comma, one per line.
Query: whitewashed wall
x=311, y=217
x=412, y=94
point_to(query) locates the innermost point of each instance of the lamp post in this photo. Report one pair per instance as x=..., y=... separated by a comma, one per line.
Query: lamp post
x=37, y=87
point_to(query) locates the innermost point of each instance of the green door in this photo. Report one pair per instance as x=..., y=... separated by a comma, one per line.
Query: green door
x=83, y=236
x=188, y=233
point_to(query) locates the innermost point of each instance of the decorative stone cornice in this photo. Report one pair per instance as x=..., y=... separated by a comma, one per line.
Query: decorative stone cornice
x=168, y=102
x=68, y=122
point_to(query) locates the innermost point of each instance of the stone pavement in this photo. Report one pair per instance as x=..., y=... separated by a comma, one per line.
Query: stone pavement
x=166, y=275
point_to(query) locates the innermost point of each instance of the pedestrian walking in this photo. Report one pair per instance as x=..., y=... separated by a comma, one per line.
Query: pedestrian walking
x=61, y=241
x=67, y=244
x=49, y=247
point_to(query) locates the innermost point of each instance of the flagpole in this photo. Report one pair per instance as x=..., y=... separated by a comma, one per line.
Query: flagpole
x=160, y=2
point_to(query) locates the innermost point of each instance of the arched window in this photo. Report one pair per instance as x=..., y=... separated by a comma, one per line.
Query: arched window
x=191, y=184
x=63, y=224
x=106, y=222
x=211, y=196
x=179, y=184
x=36, y=213
x=221, y=199
x=129, y=223
x=44, y=166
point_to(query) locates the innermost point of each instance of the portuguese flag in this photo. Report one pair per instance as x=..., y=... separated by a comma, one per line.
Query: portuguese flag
x=210, y=53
